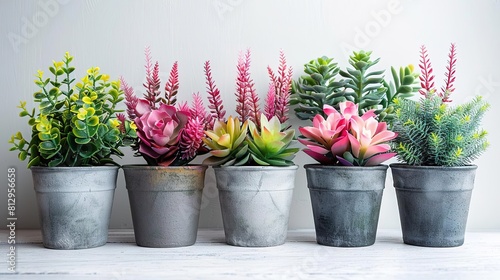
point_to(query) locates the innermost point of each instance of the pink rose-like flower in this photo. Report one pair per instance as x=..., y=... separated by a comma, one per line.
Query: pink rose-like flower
x=345, y=138
x=159, y=131
x=326, y=136
x=369, y=139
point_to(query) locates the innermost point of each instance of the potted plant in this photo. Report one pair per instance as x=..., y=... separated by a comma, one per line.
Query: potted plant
x=73, y=136
x=350, y=143
x=437, y=144
x=165, y=194
x=252, y=158
x=359, y=84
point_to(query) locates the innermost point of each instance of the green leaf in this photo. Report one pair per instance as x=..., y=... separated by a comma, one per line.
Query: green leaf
x=56, y=162
x=405, y=89
x=242, y=151
x=54, y=91
x=216, y=161
x=88, y=150
x=360, y=65
x=279, y=162
x=93, y=121
x=44, y=136
x=34, y=161
x=60, y=104
x=80, y=125
x=22, y=155
x=242, y=161
x=259, y=161
x=114, y=93
x=408, y=80
x=44, y=104
x=82, y=141
x=72, y=143
x=47, y=146
x=395, y=77
x=80, y=133
x=38, y=95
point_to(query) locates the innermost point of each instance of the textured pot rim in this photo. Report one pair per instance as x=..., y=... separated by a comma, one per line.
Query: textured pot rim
x=152, y=167
x=257, y=167
x=321, y=166
x=73, y=168
x=404, y=166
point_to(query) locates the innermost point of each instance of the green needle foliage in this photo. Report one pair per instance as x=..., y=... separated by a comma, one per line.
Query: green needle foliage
x=432, y=133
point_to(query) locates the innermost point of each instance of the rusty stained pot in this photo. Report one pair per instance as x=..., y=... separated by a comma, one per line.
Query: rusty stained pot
x=165, y=203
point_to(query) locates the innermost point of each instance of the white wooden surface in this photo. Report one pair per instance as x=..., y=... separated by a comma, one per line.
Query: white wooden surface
x=299, y=258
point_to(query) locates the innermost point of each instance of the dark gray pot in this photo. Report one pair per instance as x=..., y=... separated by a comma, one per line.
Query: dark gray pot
x=433, y=203
x=346, y=203
x=74, y=205
x=255, y=203
x=165, y=203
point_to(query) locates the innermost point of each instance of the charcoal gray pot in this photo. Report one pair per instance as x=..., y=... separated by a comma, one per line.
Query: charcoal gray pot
x=165, y=203
x=433, y=203
x=346, y=203
x=74, y=205
x=255, y=203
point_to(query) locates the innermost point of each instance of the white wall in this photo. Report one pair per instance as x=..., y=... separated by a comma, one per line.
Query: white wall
x=113, y=34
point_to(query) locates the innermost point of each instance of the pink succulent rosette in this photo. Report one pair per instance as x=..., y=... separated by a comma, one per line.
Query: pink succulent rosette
x=345, y=138
x=159, y=130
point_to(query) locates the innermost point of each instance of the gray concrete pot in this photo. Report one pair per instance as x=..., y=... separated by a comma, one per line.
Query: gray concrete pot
x=165, y=203
x=346, y=203
x=433, y=203
x=255, y=203
x=74, y=205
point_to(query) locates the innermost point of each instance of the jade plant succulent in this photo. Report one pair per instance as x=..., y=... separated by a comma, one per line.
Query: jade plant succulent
x=77, y=124
x=254, y=137
x=321, y=85
x=168, y=133
x=346, y=138
x=433, y=133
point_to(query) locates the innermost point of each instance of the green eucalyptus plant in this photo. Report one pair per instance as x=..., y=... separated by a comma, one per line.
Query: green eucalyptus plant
x=359, y=84
x=76, y=125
